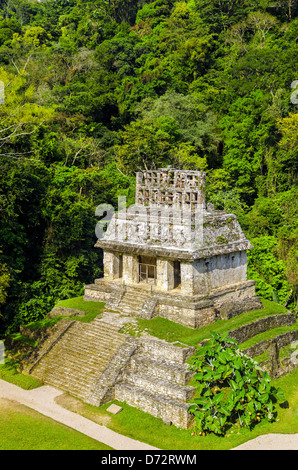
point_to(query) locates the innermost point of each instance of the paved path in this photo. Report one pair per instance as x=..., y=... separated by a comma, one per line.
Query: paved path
x=42, y=399
x=271, y=442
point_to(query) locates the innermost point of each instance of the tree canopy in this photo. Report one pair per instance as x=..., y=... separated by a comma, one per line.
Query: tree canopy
x=97, y=90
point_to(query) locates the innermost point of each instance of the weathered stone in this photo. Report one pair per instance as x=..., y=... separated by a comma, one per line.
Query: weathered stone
x=249, y=330
x=173, y=243
x=282, y=340
x=233, y=308
x=173, y=256
x=168, y=255
x=114, y=409
x=65, y=311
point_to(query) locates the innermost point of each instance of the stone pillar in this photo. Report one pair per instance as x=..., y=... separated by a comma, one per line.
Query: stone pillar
x=187, y=279
x=111, y=263
x=130, y=269
x=164, y=274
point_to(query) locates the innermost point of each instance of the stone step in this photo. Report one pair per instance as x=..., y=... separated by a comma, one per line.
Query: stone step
x=132, y=302
x=105, y=325
x=74, y=373
x=96, y=326
x=136, y=293
x=160, y=386
x=91, y=353
x=76, y=361
x=161, y=349
x=134, y=298
x=66, y=375
x=133, y=305
x=129, y=311
x=91, y=340
x=82, y=354
x=75, y=389
x=169, y=410
x=161, y=368
x=62, y=358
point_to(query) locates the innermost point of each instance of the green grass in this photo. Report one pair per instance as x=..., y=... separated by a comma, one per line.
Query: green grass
x=9, y=372
x=144, y=427
x=91, y=308
x=170, y=331
x=24, y=429
x=44, y=323
x=268, y=335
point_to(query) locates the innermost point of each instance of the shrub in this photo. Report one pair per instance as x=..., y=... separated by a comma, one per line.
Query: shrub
x=232, y=388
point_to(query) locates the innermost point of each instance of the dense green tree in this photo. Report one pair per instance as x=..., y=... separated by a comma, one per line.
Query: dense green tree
x=248, y=132
x=92, y=91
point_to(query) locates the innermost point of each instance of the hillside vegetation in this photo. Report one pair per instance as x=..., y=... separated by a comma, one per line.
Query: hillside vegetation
x=96, y=90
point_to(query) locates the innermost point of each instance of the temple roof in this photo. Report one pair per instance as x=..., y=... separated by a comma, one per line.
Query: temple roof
x=166, y=233
x=170, y=219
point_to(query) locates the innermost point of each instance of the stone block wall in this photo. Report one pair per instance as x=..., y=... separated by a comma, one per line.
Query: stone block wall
x=189, y=315
x=169, y=187
x=218, y=271
x=259, y=326
x=164, y=274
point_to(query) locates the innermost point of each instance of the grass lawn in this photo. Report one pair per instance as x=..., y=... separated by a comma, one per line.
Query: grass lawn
x=170, y=331
x=268, y=334
x=144, y=427
x=8, y=372
x=135, y=423
x=24, y=429
x=47, y=434
x=91, y=308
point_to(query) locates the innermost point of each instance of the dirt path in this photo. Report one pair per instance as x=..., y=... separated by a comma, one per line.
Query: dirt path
x=42, y=399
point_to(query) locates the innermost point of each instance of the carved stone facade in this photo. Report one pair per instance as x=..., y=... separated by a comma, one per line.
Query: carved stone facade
x=190, y=258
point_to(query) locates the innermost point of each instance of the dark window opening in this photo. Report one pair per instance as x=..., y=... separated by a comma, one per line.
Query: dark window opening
x=177, y=274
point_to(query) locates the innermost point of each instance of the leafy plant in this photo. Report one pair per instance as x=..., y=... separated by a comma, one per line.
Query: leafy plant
x=232, y=388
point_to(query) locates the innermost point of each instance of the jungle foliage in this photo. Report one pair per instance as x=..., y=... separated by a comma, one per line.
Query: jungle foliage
x=95, y=90
x=232, y=389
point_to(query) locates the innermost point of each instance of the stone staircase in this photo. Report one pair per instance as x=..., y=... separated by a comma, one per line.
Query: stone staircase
x=133, y=301
x=95, y=363
x=156, y=381
x=77, y=357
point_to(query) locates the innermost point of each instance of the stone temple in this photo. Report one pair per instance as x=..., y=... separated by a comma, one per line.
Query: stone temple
x=168, y=255
x=173, y=256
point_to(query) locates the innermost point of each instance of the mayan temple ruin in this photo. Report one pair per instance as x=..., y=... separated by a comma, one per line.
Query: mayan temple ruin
x=187, y=260
x=168, y=255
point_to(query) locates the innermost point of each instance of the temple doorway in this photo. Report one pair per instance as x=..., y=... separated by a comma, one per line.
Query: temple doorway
x=147, y=269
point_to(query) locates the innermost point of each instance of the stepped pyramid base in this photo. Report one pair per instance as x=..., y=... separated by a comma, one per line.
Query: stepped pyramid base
x=95, y=363
x=75, y=355
x=167, y=409
x=196, y=311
